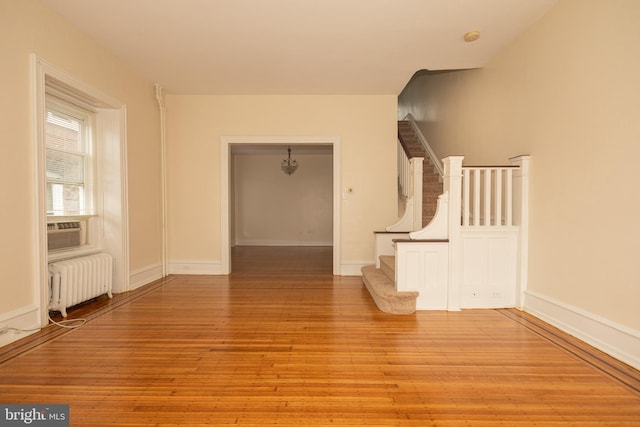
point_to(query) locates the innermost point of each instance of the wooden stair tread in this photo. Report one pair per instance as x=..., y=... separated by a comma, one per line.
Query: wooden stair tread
x=409, y=140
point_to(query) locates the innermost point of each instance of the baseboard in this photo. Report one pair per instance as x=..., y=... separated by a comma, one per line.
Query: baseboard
x=26, y=319
x=353, y=268
x=144, y=275
x=194, y=267
x=281, y=243
x=616, y=340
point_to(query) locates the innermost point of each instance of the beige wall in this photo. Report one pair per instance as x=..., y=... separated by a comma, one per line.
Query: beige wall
x=26, y=27
x=273, y=208
x=195, y=124
x=568, y=93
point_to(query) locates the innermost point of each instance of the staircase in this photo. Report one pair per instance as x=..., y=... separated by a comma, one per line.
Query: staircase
x=381, y=282
x=470, y=249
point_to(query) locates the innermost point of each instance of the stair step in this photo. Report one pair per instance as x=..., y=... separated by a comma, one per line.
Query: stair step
x=410, y=140
x=433, y=187
x=384, y=294
x=431, y=195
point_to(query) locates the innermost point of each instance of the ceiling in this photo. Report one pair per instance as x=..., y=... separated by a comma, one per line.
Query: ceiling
x=297, y=46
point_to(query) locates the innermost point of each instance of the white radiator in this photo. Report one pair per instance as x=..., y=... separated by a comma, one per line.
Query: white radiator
x=77, y=280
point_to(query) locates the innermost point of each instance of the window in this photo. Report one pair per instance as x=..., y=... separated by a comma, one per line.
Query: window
x=80, y=150
x=69, y=160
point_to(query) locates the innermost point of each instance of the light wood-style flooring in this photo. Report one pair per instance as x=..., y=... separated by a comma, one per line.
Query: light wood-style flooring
x=285, y=347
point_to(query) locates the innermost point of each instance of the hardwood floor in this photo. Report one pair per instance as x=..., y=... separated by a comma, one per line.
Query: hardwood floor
x=290, y=348
x=282, y=259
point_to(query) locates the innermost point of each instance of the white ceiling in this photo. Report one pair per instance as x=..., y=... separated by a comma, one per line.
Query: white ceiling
x=297, y=46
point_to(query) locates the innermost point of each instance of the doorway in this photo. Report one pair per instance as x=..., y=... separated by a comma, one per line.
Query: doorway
x=234, y=143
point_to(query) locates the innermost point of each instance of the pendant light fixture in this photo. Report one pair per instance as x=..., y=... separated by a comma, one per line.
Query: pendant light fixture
x=289, y=166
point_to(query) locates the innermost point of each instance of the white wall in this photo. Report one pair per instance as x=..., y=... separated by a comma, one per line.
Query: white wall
x=567, y=93
x=366, y=126
x=26, y=28
x=275, y=209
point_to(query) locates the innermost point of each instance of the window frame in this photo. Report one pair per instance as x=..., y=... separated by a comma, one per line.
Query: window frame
x=87, y=120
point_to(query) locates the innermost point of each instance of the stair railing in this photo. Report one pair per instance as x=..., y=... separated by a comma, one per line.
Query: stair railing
x=409, y=192
x=482, y=208
x=484, y=196
x=493, y=196
x=487, y=194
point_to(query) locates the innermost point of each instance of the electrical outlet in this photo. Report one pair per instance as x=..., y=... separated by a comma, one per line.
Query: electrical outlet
x=3, y=328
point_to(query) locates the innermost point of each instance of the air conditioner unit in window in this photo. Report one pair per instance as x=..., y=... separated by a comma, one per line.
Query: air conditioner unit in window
x=65, y=235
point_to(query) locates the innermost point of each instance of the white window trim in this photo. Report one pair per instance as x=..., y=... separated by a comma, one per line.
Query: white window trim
x=88, y=118
x=112, y=144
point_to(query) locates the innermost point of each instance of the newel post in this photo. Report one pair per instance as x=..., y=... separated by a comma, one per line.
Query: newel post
x=453, y=185
x=416, y=188
x=521, y=219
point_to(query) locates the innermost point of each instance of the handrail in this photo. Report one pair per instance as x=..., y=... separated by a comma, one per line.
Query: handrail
x=432, y=155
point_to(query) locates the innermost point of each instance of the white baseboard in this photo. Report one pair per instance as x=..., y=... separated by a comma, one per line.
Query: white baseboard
x=618, y=341
x=194, y=267
x=144, y=275
x=353, y=268
x=24, y=318
x=281, y=243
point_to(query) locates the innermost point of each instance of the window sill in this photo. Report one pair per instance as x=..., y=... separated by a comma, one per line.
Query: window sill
x=57, y=217
x=63, y=254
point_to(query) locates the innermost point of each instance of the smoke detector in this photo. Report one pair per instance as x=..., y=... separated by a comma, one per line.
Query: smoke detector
x=472, y=36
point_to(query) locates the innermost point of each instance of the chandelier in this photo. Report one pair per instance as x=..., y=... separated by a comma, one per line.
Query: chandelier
x=289, y=166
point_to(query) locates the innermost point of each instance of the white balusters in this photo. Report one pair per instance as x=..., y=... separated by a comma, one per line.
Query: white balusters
x=476, y=196
x=466, y=198
x=487, y=196
x=410, y=191
x=509, y=197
